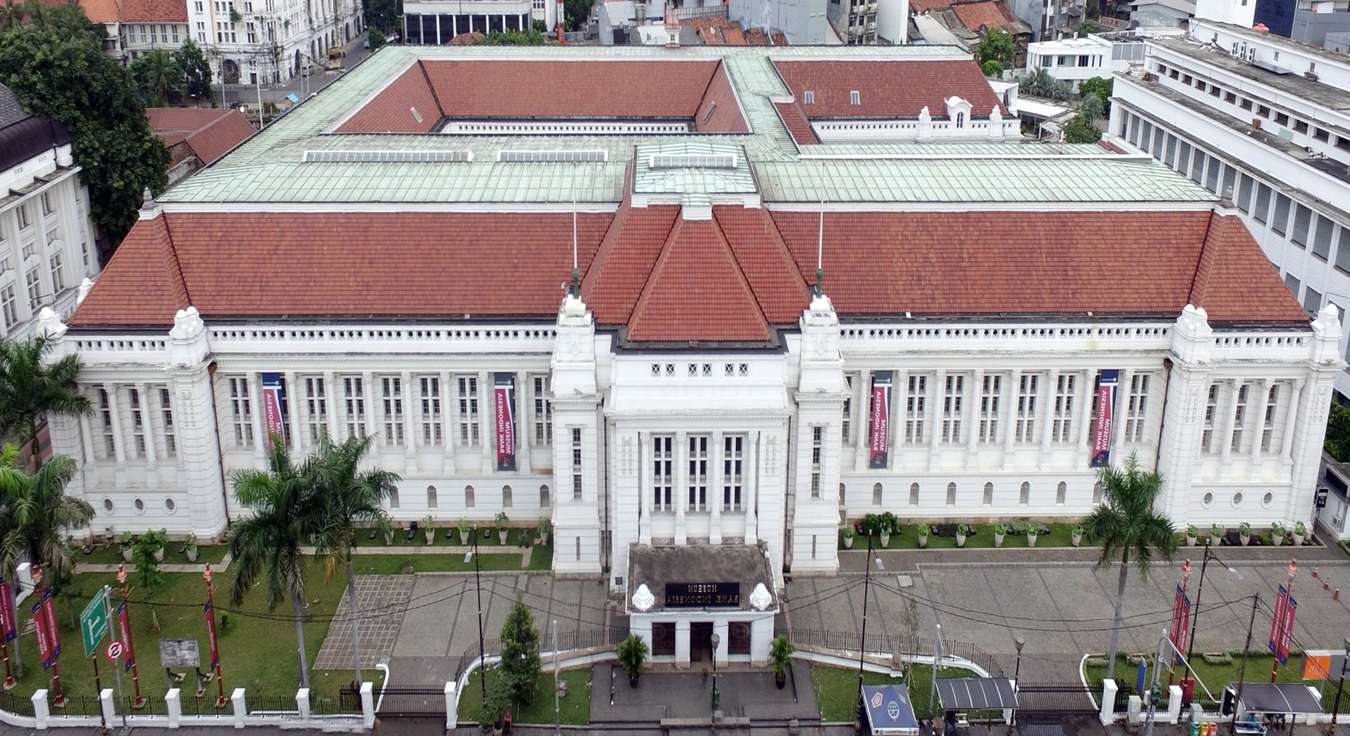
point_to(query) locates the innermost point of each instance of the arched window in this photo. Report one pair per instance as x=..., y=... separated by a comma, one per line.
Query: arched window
x=913, y=494
x=1061, y=493
x=506, y=497
x=432, y=501
x=876, y=494
x=1024, y=494
x=393, y=498
x=544, y=500
x=988, y=494
x=951, y=494
x=468, y=497
x=960, y=120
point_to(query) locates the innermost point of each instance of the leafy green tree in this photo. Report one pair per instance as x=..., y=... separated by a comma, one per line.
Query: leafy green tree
x=1092, y=108
x=1081, y=130
x=383, y=14
x=1039, y=83
x=36, y=516
x=992, y=68
x=30, y=389
x=512, y=38
x=56, y=65
x=520, y=665
x=159, y=78
x=1099, y=87
x=1338, y=432
x=350, y=497
x=196, y=71
x=1089, y=27
x=577, y=12
x=1126, y=524
x=266, y=546
x=143, y=555
x=375, y=38
x=997, y=45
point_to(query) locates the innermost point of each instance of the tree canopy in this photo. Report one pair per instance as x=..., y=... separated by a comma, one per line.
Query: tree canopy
x=56, y=66
x=383, y=14
x=1081, y=130
x=511, y=38
x=30, y=389
x=159, y=78
x=577, y=12
x=196, y=71
x=997, y=45
x=1097, y=86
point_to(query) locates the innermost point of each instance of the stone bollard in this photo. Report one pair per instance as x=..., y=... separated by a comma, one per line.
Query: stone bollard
x=368, y=704
x=105, y=703
x=1174, y=704
x=240, y=706
x=41, y=711
x=302, y=703
x=1108, y=710
x=173, y=706
x=1134, y=711
x=451, y=706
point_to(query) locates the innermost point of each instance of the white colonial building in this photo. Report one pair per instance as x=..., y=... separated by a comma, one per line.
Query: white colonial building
x=270, y=41
x=600, y=308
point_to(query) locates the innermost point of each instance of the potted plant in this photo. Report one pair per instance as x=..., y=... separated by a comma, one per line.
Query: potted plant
x=1192, y=534
x=1244, y=533
x=1216, y=533
x=1277, y=534
x=428, y=529
x=190, y=549
x=922, y=531
x=464, y=531
x=632, y=653
x=1076, y=535
x=848, y=537
x=127, y=542
x=870, y=525
x=389, y=535
x=1300, y=531
x=502, y=531
x=545, y=529
x=961, y=531
x=157, y=541
x=780, y=653
x=1033, y=531
x=888, y=524
x=1000, y=531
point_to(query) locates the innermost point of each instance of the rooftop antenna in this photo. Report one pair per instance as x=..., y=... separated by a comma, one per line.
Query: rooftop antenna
x=576, y=277
x=820, y=251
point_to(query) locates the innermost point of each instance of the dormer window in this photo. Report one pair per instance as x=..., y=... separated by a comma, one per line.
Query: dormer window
x=808, y=97
x=854, y=97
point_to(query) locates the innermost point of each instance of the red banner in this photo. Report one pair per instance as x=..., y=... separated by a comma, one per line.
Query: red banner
x=211, y=633
x=1181, y=616
x=273, y=415
x=8, y=627
x=1277, y=621
x=124, y=627
x=43, y=642
x=879, y=420
x=1287, y=630
x=49, y=607
x=503, y=399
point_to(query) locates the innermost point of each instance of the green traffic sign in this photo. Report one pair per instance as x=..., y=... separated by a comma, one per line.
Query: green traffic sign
x=94, y=624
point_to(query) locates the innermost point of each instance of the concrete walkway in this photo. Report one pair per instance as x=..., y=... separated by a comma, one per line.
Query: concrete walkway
x=688, y=695
x=194, y=568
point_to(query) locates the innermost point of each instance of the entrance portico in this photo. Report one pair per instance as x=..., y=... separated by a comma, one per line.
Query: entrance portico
x=697, y=603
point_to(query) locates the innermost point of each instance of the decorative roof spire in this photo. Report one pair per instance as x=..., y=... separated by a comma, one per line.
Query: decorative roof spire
x=575, y=289
x=819, y=287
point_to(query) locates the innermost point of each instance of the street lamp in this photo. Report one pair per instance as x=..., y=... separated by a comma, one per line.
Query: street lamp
x=1336, y=704
x=1019, y=642
x=1199, y=589
x=716, y=696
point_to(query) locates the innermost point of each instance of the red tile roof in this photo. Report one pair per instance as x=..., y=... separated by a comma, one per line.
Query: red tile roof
x=674, y=280
x=923, y=6
x=718, y=111
x=796, y=123
x=209, y=132
x=135, y=11
x=887, y=89
x=983, y=15
x=391, y=111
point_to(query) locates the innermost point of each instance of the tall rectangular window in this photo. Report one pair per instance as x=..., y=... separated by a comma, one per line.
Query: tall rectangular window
x=1061, y=429
x=1279, y=221
x=663, y=471
x=316, y=408
x=953, y=397
x=58, y=274
x=1244, y=193
x=1268, y=420
x=1236, y=444
x=391, y=394
x=1136, y=408
x=166, y=422
x=429, y=396
x=733, y=471
x=543, y=412
x=817, y=452
x=468, y=410
x=1211, y=412
x=105, y=422
x=1321, y=239
x=915, y=398
x=241, y=411
x=1302, y=224
x=9, y=306
x=698, y=472
x=1261, y=210
x=576, y=464
x=1028, y=387
x=354, y=405
x=990, y=389
x=137, y=421
x=1343, y=249
x=846, y=425
x=34, y=282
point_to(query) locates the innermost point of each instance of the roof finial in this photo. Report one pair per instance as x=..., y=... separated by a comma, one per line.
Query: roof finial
x=576, y=275
x=820, y=252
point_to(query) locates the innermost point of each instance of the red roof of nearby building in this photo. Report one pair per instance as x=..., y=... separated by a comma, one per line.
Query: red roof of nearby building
x=923, y=6
x=668, y=279
x=209, y=132
x=891, y=89
x=135, y=11
x=796, y=123
x=988, y=14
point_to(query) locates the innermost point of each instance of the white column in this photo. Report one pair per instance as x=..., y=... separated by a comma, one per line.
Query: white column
x=721, y=631
x=1048, y=412
x=861, y=401
x=448, y=420
x=1119, y=415
x=410, y=407
x=900, y=397
x=374, y=412
x=147, y=425
x=524, y=426
x=333, y=400
x=255, y=416
x=87, y=437
x=936, y=411
x=293, y=408
x=681, y=494
x=1010, y=397
x=1084, y=410
x=715, y=488
x=976, y=395
x=487, y=422
x=646, y=486
x=1290, y=421
x=438, y=29
x=751, y=475
x=682, y=643
x=1229, y=423
x=119, y=444
x=1257, y=423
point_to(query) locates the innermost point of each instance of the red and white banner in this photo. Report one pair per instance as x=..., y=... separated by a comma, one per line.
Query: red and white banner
x=273, y=407
x=1107, y=383
x=1287, y=630
x=504, y=404
x=124, y=630
x=1181, y=616
x=1277, y=621
x=8, y=627
x=879, y=420
x=211, y=633
x=44, y=624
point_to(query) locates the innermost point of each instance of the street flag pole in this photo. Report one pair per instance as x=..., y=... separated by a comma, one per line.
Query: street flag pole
x=211, y=631
x=1281, y=624
x=124, y=628
x=117, y=671
x=45, y=623
x=8, y=630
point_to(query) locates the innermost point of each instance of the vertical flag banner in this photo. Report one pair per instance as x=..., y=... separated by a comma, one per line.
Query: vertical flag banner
x=504, y=401
x=124, y=627
x=210, y=611
x=879, y=419
x=1277, y=621
x=273, y=407
x=8, y=627
x=1107, y=384
x=44, y=641
x=1287, y=630
x=49, y=608
x=1181, y=616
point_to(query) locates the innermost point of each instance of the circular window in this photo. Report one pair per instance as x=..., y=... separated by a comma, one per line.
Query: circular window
x=107, y=504
x=140, y=506
x=1237, y=499
x=1267, y=499
x=170, y=505
x=1207, y=500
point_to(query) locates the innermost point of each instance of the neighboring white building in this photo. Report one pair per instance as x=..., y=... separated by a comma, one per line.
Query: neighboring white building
x=47, y=246
x=1267, y=121
x=1076, y=59
x=434, y=22
x=133, y=27
x=271, y=40
x=995, y=319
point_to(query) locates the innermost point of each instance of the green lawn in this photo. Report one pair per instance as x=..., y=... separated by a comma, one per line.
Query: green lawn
x=111, y=554
x=837, y=689
x=1216, y=676
x=983, y=538
x=575, y=707
x=541, y=557
x=395, y=564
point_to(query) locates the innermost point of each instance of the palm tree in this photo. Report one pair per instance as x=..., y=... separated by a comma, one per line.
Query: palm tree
x=1126, y=523
x=267, y=546
x=30, y=390
x=350, y=497
x=158, y=77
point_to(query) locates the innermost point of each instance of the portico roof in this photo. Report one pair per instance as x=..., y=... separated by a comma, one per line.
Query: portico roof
x=661, y=568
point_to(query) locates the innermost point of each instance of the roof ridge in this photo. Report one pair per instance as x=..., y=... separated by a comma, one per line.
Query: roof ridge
x=1200, y=279
x=422, y=67
x=173, y=256
x=726, y=243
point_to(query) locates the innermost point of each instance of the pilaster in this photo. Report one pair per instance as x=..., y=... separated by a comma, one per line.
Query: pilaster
x=576, y=521
x=1191, y=353
x=1324, y=364
x=195, y=410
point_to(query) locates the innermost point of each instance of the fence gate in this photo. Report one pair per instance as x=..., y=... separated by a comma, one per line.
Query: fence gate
x=412, y=702
x=1052, y=703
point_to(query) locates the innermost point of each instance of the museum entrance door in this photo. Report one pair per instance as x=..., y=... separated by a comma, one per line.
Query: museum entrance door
x=700, y=641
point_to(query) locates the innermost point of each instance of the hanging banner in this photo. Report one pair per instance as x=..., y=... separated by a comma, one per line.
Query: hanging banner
x=211, y=632
x=1287, y=630
x=1107, y=383
x=504, y=401
x=879, y=420
x=8, y=628
x=1277, y=621
x=124, y=629
x=1181, y=616
x=44, y=625
x=273, y=407
x=49, y=607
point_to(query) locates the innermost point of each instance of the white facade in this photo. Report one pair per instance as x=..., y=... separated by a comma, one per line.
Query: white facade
x=1076, y=59
x=271, y=40
x=47, y=243
x=1275, y=141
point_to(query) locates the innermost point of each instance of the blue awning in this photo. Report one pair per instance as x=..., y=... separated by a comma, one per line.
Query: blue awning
x=889, y=712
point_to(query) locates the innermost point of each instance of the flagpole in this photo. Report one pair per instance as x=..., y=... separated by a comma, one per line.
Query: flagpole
x=59, y=699
x=124, y=613
x=215, y=648
x=6, y=627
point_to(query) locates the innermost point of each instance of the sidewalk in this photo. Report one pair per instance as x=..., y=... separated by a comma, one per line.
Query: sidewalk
x=318, y=79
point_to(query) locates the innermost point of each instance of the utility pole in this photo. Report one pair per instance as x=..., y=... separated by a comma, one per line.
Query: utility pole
x=1336, y=705
x=478, y=591
x=557, y=702
x=862, y=641
x=1242, y=668
x=1153, y=685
